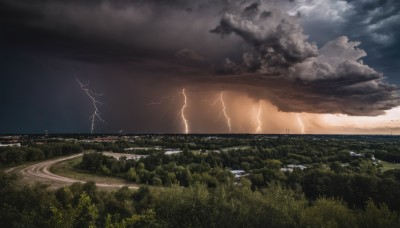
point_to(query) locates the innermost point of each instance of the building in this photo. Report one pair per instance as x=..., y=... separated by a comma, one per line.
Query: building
x=290, y=168
x=11, y=144
x=172, y=151
x=238, y=173
x=354, y=154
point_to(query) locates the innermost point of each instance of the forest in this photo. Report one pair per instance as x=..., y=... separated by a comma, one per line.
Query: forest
x=227, y=205
x=287, y=182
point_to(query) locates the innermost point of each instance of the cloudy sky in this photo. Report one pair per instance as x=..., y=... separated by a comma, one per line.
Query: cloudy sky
x=311, y=66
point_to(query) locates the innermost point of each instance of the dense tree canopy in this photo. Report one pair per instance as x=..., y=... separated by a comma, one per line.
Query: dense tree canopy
x=288, y=182
x=227, y=205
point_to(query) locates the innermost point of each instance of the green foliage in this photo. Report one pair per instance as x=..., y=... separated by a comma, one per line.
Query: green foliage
x=17, y=155
x=147, y=219
x=196, y=189
x=354, y=189
x=226, y=205
x=331, y=170
x=84, y=214
x=131, y=175
x=374, y=216
x=64, y=196
x=328, y=213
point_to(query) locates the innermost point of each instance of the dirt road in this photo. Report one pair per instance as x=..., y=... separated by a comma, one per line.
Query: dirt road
x=40, y=172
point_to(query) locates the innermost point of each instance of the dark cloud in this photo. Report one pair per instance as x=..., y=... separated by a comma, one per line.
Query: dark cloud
x=377, y=21
x=251, y=10
x=265, y=14
x=189, y=54
x=264, y=51
x=374, y=23
x=99, y=31
x=332, y=79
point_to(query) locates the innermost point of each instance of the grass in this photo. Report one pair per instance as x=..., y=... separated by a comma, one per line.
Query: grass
x=388, y=166
x=237, y=148
x=68, y=169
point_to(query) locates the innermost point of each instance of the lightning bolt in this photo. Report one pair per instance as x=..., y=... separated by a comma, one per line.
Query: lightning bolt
x=259, y=123
x=92, y=95
x=182, y=112
x=301, y=124
x=228, y=119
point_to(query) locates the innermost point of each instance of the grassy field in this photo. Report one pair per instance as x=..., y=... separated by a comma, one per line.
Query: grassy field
x=66, y=169
x=388, y=166
x=236, y=148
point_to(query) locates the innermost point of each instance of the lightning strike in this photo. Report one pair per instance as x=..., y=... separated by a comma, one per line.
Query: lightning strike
x=228, y=119
x=182, y=112
x=301, y=124
x=259, y=123
x=95, y=102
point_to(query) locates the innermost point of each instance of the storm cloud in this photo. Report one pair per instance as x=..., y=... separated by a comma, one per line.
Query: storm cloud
x=301, y=56
x=332, y=79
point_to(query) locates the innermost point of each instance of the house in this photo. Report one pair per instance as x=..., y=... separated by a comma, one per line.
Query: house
x=286, y=169
x=172, y=151
x=302, y=167
x=354, y=154
x=238, y=173
x=290, y=168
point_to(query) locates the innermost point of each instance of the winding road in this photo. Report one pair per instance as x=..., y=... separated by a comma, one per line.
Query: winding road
x=41, y=171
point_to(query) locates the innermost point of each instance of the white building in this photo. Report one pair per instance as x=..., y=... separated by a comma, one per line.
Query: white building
x=172, y=151
x=238, y=173
x=11, y=144
x=354, y=154
x=290, y=168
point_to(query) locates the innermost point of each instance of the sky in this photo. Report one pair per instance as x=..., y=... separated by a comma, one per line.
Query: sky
x=200, y=66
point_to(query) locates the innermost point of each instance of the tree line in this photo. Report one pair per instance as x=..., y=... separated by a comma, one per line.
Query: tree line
x=226, y=205
x=37, y=152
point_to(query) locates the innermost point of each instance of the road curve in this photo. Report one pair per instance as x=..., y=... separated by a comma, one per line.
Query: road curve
x=41, y=170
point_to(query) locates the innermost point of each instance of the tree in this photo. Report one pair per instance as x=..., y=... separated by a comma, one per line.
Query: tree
x=328, y=213
x=258, y=180
x=374, y=216
x=131, y=175
x=84, y=214
x=64, y=195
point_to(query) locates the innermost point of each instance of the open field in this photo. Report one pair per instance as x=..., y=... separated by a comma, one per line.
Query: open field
x=236, y=148
x=388, y=166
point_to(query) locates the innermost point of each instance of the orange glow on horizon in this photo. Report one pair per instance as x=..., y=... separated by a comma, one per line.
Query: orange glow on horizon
x=238, y=107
